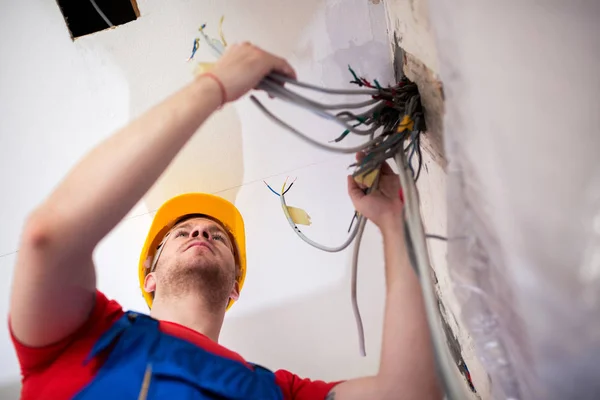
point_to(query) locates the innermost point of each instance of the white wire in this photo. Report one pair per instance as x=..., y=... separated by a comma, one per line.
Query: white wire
x=99, y=11
x=357, y=233
x=312, y=242
x=353, y=289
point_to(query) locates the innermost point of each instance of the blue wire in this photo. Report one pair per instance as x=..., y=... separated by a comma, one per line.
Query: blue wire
x=194, y=49
x=271, y=189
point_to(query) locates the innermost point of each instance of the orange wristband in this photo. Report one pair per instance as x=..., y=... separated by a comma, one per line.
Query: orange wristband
x=221, y=86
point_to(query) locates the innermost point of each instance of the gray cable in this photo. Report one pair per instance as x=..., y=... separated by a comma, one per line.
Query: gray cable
x=438, y=237
x=286, y=79
x=280, y=92
x=274, y=84
x=99, y=11
x=312, y=242
x=353, y=295
x=415, y=230
x=308, y=139
x=357, y=233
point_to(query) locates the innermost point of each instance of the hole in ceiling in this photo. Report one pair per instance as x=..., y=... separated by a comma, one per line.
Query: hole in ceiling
x=88, y=16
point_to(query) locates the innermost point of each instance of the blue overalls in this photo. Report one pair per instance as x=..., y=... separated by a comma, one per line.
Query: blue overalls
x=161, y=366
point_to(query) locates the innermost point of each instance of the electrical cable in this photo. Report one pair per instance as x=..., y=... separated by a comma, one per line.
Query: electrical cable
x=272, y=83
x=438, y=237
x=362, y=222
x=308, y=139
x=392, y=105
x=353, y=288
x=417, y=246
x=420, y=155
x=99, y=11
x=319, y=246
x=271, y=189
x=288, y=189
x=352, y=221
x=286, y=79
x=278, y=91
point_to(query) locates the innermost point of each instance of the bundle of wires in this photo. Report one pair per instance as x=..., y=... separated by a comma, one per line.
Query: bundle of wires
x=394, y=118
x=391, y=121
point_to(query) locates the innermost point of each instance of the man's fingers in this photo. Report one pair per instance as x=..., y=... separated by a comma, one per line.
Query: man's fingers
x=360, y=155
x=283, y=67
x=386, y=169
x=355, y=192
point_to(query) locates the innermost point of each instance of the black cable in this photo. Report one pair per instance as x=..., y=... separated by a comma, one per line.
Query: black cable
x=288, y=189
x=420, y=155
x=438, y=237
x=352, y=222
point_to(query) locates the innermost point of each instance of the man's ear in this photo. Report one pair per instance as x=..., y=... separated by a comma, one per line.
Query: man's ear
x=150, y=283
x=235, y=292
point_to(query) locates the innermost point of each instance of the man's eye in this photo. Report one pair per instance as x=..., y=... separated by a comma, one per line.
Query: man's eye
x=218, y=236
x=181, y=233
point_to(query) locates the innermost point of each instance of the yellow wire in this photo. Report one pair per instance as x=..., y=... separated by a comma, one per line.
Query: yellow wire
x=283, y=187
x=221, y=31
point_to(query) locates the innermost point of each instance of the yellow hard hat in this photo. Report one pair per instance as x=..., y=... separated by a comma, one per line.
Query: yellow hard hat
x=188, y=204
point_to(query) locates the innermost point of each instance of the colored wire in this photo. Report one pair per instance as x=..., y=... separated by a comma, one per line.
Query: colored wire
x=420, y=157
x=99, y=11
x=194, y=49
x=271, y=189
x=221, y=31
x=288, y=189
x=319, y=246
x=352, y=221
x=284, y=192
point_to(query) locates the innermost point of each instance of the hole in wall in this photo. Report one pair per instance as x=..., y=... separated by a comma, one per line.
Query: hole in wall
x=88, y=16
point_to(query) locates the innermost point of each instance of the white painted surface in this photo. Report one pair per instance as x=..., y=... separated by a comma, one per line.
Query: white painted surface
x=410, y=25
x=59, y=98
x=522, y=94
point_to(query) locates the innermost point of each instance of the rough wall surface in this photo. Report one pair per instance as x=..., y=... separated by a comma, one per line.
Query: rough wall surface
x=521, y=132
x=412, y=42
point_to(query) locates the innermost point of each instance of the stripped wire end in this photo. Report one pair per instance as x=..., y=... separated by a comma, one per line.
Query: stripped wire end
x=221, y=34
x=352, y=222
x=194, y=49
x=341, y=137
x=356, y=80
x=284, y=192
x=271, y=189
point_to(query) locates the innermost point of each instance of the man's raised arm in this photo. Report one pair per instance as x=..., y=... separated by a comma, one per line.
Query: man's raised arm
x=54, y=283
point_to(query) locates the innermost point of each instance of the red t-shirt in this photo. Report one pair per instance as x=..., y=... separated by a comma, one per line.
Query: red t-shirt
x=57, y=371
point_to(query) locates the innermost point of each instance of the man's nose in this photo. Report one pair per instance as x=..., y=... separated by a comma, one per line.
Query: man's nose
x=197, y=232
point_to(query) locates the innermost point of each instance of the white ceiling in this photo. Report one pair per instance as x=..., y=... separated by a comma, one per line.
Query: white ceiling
x=59, y=98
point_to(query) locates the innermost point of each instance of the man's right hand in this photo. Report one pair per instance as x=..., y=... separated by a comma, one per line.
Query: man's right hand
x=54, y=283
x=244, y=65
x=383, y=206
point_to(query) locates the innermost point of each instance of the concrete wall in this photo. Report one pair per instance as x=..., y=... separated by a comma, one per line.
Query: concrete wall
x=522, y=94
x=413, y=44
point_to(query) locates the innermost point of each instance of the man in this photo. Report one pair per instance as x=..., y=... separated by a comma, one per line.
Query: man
x=73, y=342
